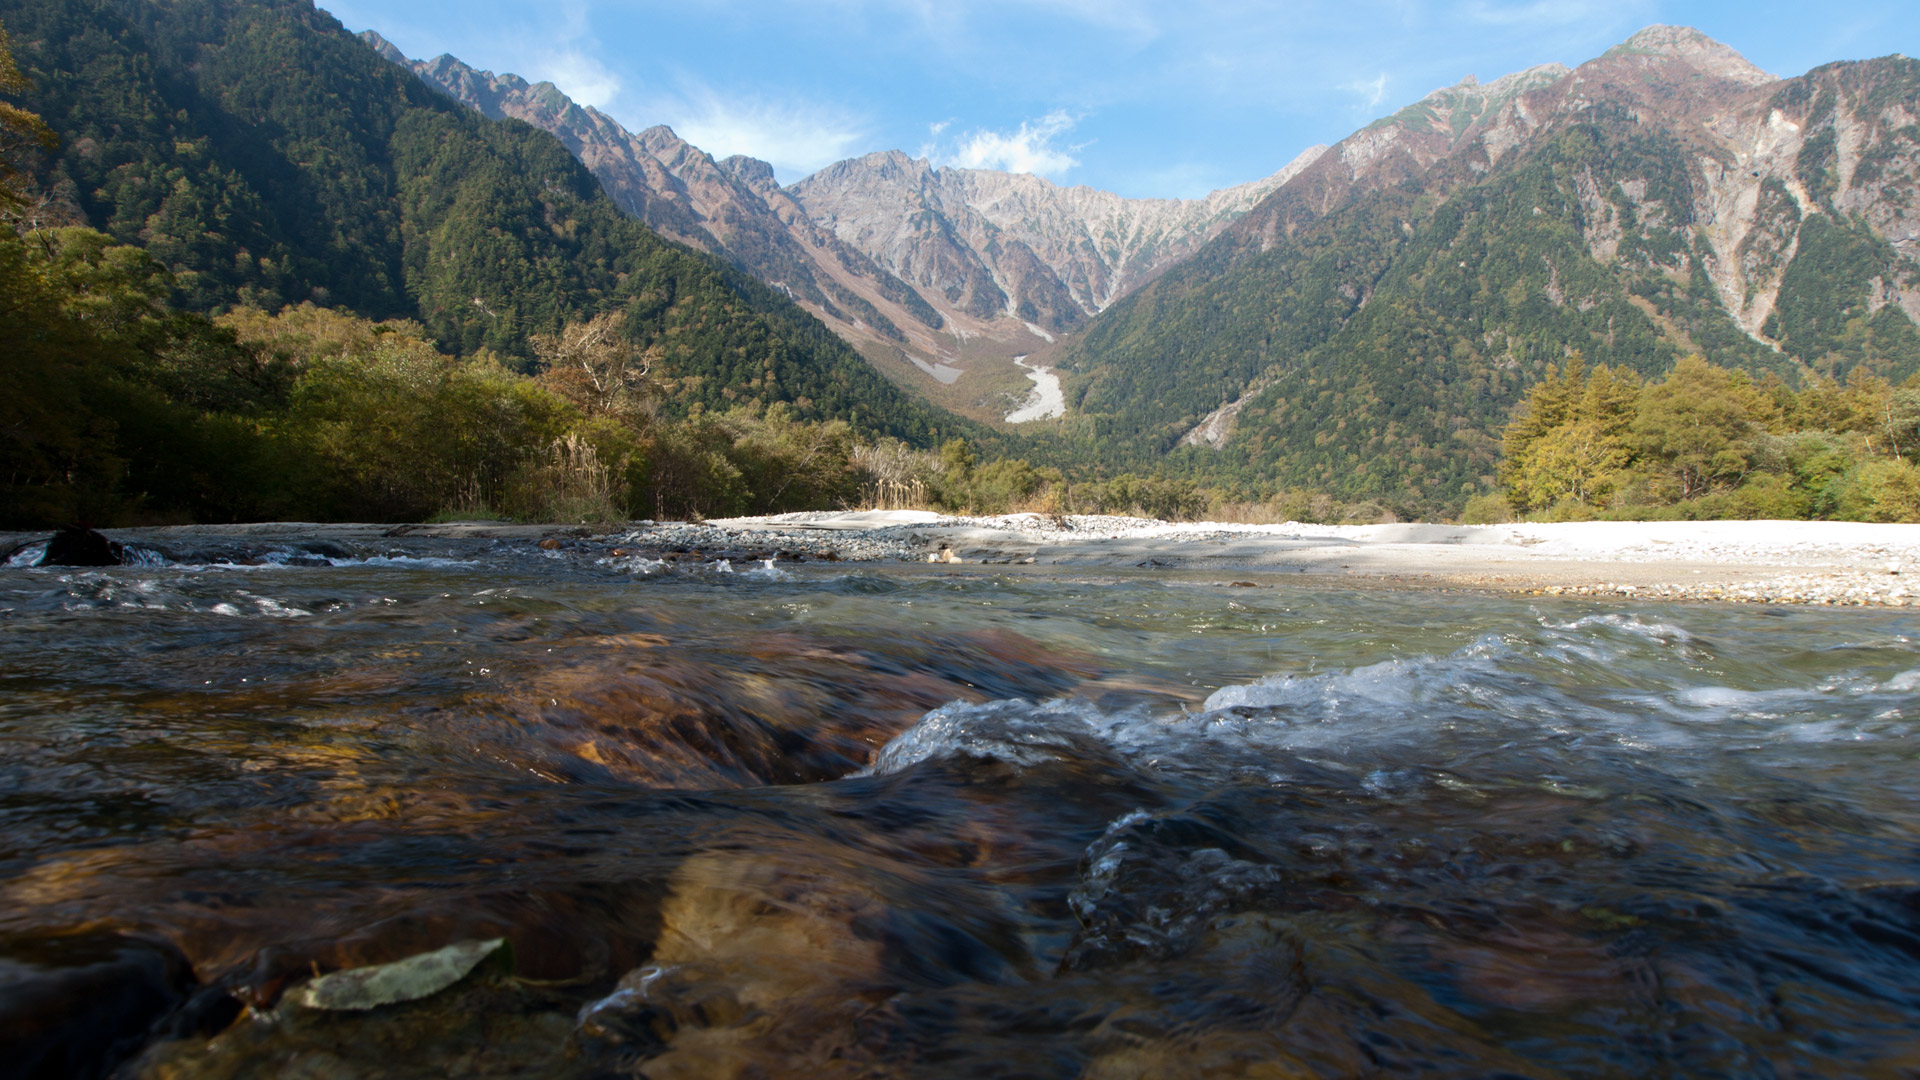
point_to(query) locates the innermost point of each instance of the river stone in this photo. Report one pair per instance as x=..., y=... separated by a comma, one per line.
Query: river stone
x=403, y=980
x=74, y=546
x=73, y=1007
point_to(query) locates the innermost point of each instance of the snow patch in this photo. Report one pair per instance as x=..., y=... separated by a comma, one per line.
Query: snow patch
x=941, y=372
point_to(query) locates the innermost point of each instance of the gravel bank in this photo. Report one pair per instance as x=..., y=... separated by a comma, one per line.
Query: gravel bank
x=1767, y=562
x=1775, y=562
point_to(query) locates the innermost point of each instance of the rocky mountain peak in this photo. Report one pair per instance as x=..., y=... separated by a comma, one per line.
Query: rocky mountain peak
x=385, y=48
x=750, y=171
x=1451, y=111
x=1695, y=48
x=1520, y=82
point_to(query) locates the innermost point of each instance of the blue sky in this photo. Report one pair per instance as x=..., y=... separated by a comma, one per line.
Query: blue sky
x=1142, y=97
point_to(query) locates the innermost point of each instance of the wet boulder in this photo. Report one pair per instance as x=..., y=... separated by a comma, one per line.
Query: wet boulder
x=75, y=546
x=73, y=1007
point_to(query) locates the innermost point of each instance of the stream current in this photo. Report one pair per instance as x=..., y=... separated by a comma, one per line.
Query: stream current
x=762, y=820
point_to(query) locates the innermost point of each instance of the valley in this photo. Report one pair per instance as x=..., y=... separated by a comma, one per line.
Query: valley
x=1660, y=198
x=945, y=271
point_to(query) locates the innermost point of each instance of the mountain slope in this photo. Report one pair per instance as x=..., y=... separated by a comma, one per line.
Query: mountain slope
x=731, y=208
x=269, y=158
x=1368, y=327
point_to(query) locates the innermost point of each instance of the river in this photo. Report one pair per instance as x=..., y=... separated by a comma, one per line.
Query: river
x=878, y=820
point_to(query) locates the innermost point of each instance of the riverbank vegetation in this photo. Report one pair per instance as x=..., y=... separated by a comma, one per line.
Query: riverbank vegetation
x=1707, y=442
x=116, y=408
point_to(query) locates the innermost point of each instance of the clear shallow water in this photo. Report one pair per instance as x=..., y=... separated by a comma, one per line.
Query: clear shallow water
x=814, y=820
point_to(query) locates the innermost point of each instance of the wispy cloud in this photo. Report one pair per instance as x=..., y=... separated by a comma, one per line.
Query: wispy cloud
x=796, y=138
x=1372, y=91
x=942, y=20
x=1543, y=13
x=1031, y=148
x=580, y=76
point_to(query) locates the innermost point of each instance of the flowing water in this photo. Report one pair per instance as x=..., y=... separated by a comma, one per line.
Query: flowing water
x=765, y=820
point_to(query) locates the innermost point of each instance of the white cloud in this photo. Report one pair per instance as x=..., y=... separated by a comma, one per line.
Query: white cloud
x=796, y=138
x=1029, y=149
x=579, y=76
x=1372, y=91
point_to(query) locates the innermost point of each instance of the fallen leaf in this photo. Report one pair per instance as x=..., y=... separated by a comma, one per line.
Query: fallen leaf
x=415, y=977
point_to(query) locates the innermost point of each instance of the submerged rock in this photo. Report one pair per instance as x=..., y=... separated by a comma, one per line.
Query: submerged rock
x=75, y=546
x=74, y=1007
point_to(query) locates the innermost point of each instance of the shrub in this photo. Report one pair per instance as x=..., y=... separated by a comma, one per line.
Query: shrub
x=1881, y=490
x=1488, y=509
x=570, y=484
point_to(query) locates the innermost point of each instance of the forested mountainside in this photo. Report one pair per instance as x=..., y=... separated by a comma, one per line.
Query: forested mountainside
x=267, y=157
x=1369, y=327
x=732, y=208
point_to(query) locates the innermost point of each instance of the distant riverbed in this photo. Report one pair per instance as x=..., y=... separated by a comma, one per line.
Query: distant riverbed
x=1045, y=402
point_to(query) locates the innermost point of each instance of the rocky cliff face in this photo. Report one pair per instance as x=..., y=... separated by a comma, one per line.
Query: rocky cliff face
x=992, y=242
x=731, y=208
x=1766, y=158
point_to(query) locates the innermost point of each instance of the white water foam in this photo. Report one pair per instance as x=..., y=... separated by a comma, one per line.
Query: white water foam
x=404, y=561
x=27, y=556
x=1496, y=691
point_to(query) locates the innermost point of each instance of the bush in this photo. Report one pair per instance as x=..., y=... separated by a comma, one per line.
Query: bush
x=1488, y=509
x=1881, y=490
x=402, y=432
x=571, y=484
x=1771, y=496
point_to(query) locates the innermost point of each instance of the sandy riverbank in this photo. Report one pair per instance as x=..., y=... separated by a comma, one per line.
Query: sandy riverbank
x=1816, y=562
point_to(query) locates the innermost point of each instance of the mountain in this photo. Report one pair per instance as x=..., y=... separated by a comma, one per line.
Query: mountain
x=941, y=276
x=992, y=242
x=267, y=157
x=1367, y=328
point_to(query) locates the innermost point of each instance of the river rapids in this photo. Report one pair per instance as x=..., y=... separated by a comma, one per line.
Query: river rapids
x=760, y=819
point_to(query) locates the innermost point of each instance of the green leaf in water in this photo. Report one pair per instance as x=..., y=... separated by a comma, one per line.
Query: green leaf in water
x=1612, y=920
x=403, y=980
